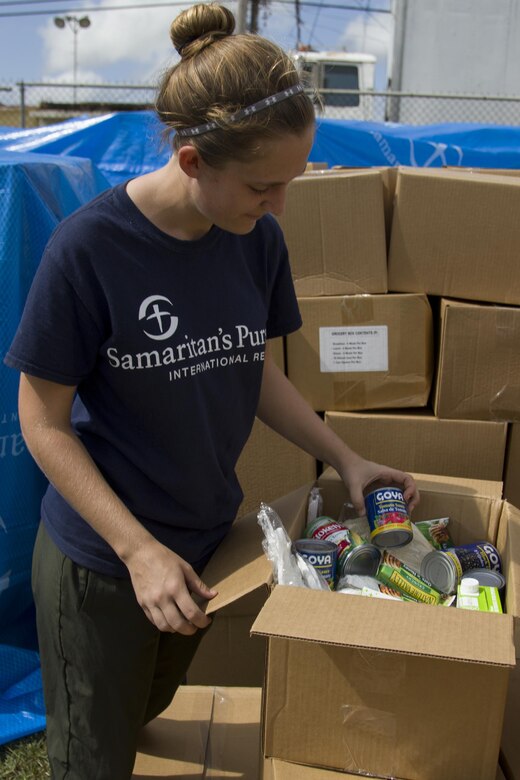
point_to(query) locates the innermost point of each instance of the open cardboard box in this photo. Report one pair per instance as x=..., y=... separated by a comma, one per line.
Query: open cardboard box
x=205, y=732
x=384, y=688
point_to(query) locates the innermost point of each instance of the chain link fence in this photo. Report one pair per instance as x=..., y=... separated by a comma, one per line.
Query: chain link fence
x=35, y=104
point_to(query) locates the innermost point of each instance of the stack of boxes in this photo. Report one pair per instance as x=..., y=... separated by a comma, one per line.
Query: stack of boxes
x=409, y=290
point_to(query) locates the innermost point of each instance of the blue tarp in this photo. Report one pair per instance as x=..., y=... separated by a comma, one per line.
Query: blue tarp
x=128, y=143
x=37, y=192
x=22, y=710
x=370, y=143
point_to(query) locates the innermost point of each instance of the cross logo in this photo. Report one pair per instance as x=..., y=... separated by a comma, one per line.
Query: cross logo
x=160, y=314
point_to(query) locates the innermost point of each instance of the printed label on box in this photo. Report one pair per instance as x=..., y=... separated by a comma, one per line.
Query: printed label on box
x=354, y=349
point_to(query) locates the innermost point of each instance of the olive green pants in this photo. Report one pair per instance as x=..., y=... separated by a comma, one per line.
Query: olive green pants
x=106, y=669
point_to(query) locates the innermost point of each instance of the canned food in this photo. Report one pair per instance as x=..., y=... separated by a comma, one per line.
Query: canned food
x=444, y=568
x=387, y=514
x=412, y=587
x=363, y=559
x=355, y=555
x=322, y=555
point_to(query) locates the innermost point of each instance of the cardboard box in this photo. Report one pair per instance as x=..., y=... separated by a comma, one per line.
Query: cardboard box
x=478, y=365
x=205, y=732
x=283, y=770
x=384, y=687
x=419, y=441
x=228, y=655
x=456, y=234
x=388, y=688
x=269, y=467
x=363, y=352
x=512, y=467
x=389, y=180
x=335, y=232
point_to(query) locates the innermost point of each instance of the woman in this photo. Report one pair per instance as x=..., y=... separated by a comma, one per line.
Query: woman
x=144, y=357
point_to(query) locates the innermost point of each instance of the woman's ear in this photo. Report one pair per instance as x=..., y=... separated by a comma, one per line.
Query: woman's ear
x=189, y=161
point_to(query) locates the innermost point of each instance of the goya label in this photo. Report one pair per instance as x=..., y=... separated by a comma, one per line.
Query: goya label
x=387, y=511
x=322, y=555
x=397, y=575
x=480, y=555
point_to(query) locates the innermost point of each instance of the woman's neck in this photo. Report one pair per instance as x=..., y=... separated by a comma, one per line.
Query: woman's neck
x=164, y=197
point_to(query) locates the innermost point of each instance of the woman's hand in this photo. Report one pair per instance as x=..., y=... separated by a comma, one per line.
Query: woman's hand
x=163, y=584
x=360, y=472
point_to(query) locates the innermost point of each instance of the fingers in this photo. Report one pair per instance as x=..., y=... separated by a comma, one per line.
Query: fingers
x=410, y=493
x=174, y=618
x=175, y=609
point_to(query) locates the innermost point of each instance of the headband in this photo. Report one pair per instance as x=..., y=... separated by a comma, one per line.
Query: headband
x=252, y=109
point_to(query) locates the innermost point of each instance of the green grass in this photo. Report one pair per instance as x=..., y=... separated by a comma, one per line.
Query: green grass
x=24, y=759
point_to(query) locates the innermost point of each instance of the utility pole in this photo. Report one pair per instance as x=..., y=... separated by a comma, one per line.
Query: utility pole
x=241, y=16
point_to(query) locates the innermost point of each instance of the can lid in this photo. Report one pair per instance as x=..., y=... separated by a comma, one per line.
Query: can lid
x=313, y=545
x=395, y=537
x=486, y=577
x=363, y=559
x=437, y=567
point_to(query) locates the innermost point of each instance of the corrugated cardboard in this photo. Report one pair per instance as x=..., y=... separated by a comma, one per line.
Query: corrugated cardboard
x=456, y=235
x=389, y=180
x=384, y=687
x=381, y=347
x=478, y=365
x=205, y=732
x=335, y=232
x=508, y=540
x=274, y=769
x=283, y=770
x=419, y=441
x=228, y=655
x=512, y=467
x=270, y=467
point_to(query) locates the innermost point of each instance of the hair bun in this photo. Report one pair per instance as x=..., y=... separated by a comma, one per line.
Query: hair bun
x=199, y=26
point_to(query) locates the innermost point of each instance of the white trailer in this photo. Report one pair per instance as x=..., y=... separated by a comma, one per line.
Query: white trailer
x=339, y=78
x=456, y=47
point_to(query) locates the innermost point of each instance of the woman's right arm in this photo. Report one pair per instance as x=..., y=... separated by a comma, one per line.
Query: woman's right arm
x=162, y=581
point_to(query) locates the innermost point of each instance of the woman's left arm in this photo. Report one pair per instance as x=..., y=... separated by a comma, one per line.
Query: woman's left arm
x=283, y=409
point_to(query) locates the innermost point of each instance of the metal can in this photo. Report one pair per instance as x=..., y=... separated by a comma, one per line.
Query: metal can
x=355, y=556
x=408, y=583
x=444, y=568
x=387, y=514
x=321, y=554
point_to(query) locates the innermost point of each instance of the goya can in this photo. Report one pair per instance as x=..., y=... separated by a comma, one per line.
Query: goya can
x=387, y=515
x=444, y=568
x=355, y=556
x=322, y=555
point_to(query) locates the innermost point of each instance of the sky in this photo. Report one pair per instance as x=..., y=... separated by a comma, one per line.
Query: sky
x=132, y=46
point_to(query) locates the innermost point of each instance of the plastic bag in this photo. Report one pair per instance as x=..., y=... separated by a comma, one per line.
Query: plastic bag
x=289, y=568
x=315, y=506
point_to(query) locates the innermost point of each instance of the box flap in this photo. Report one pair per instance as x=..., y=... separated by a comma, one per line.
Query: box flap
x=415, y=629
x=234, y=738
x=239, y=565
x=175, y=743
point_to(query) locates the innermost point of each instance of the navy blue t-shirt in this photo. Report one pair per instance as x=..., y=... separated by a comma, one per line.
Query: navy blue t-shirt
x=165, y=341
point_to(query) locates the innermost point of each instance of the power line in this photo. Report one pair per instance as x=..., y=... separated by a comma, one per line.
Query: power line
x=95, y=9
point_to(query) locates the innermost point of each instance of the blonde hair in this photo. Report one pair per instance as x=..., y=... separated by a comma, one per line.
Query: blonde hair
x=218, y=74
